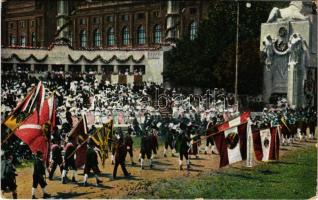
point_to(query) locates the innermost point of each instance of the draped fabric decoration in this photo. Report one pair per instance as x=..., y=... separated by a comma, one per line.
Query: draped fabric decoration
x=99, y=57
x=26, y=59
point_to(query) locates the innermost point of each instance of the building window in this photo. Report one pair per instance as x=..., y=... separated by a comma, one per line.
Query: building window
x=110, y=36
x=193, y=11
x=11, y=25
x=32, y=23
x=125, y=36
x=22, y=41
x=193, y=30
x=156, y=14
x=110, y=18
x=97, y=38
x=141, y=35
x=33, y=39
x=124, y=17
x=83, y=38
x=140, y=15
x=96, y=20
x=22, y=24
x=82, y=21
x=12, y=40
x=157, y=34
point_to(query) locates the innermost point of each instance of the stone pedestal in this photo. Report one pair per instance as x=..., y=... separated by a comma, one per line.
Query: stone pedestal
x=292, y=85
x=285, y=46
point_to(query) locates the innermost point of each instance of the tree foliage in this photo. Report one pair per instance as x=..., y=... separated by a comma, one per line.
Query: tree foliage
x=209, y=60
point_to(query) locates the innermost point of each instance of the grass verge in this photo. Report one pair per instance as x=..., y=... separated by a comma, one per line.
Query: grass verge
x=293, y=177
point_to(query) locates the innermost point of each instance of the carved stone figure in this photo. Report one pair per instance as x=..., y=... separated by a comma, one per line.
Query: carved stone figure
x=295, y=46
x=268, y=51
x=292, y=12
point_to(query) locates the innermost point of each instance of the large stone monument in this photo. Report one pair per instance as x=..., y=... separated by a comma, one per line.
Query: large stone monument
x=289, y=46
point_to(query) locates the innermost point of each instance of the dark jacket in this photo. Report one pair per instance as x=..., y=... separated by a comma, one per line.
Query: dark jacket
x=39, y=168
x=129, y=141
x=7, y=170
x=57, y=153
x=146, y=144
x=183, y=139
x=91, y=157
x=121, y=152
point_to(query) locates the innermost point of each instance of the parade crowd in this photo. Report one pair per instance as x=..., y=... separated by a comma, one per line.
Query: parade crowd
x=148, y=111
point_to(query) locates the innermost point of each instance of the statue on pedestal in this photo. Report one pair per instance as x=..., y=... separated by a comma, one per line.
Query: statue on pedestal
x=295, y=46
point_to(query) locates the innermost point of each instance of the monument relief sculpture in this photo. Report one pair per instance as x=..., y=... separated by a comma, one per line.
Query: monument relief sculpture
x=295, y=46
x=293, y=12
x=285, y=45
x=268, y=52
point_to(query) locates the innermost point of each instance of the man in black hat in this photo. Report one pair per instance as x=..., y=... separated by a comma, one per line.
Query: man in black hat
x=69, y=160
x=129, y=144
x=120, y=155
x=57, y=159
x=146, y=147
x=8, y=182
x=184, y=140
x=169, y=138
x=91, y=163
x=39, y=175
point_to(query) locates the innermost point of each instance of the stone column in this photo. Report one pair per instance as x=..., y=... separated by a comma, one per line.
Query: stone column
x=82, y=68
x=14, y=67
x=99, y=69
x=49, y=67
x=292, y=85
x=66, y=68
x=32, y=68
x=116, y=69
x=131, y=69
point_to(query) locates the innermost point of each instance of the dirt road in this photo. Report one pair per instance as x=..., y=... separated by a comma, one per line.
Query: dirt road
x=164, y=168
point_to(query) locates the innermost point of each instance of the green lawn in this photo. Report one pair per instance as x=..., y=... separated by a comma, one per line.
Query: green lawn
x=292, y=177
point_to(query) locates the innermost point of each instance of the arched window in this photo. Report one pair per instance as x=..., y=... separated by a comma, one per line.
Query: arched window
x=141, y=35
x=193, y=30
x=110, y=37
x=83, y=38
x=97, y=38
x=157, y=34
x=12, y=40
x=125, y=36
x=33, y=39
x=22, y=41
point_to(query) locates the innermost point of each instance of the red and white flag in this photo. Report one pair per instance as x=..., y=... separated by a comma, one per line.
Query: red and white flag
x=243, y=118
x=48, y=110
x=266, y=144
x=232, y=144
x=31, y=133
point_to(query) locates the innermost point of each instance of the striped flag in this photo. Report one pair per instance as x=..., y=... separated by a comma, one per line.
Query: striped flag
x=101, y=139
x=32, y=133
x=79, y=134
x=243, y=118
x=266, y=144
x=231, y=140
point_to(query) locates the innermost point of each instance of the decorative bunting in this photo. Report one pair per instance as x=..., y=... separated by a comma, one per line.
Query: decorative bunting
x=106, y=61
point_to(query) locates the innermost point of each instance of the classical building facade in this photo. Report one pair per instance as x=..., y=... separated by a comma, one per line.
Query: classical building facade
x=119, y=39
